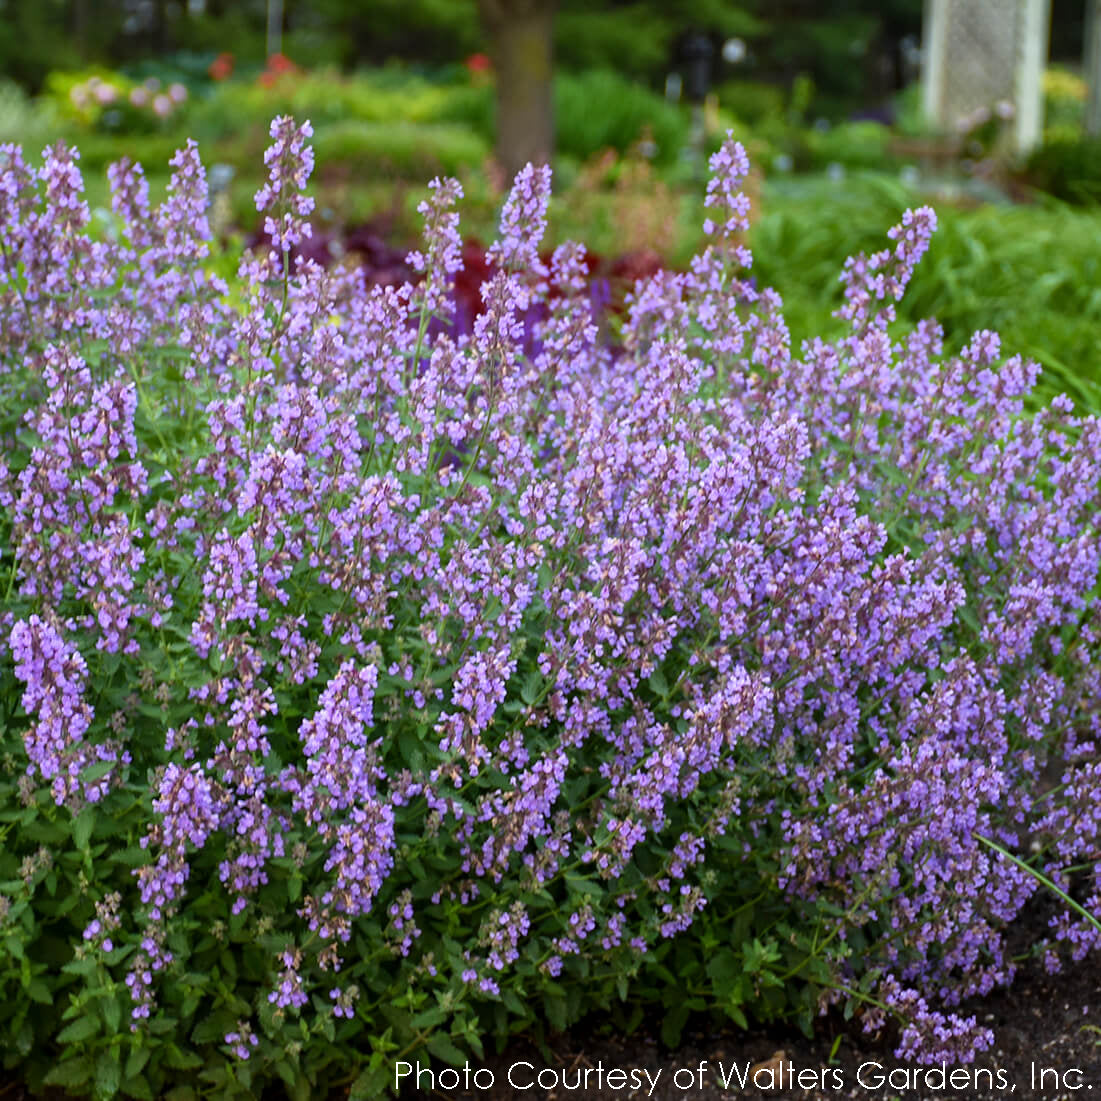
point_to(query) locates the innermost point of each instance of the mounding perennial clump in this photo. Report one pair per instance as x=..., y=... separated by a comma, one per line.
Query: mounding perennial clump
x=373, y=686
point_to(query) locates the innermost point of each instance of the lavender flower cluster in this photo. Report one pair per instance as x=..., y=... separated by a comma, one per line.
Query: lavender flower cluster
x=518, y=653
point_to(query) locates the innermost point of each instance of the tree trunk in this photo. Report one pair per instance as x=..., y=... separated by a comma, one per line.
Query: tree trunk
x=520, y=34
x=80, y=23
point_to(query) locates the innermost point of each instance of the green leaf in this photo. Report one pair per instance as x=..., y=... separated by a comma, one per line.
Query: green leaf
x=302, y=1089
x=554, y=1006
x=112, y=1013
x=723, y=968
x=71, y=1073
x=44, y=831
x=81, y=1029
x=373, y=1081
x=532, y=686
x=82, y=826
x=137, y=1059
x=443, y=1048
x=39, y=992
x=137, y=1087
x=86, y=966
x=97, y=771
x=411, y=750
x=431, y=1017
x=657, y=682
x=178, y=1059
x=180, y=1093
x=212, y=1029
x=108, y=1076
x=673, y=1025
x=133, y=857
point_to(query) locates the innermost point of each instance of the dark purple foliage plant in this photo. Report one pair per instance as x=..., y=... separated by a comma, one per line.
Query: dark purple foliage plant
x=373, y=687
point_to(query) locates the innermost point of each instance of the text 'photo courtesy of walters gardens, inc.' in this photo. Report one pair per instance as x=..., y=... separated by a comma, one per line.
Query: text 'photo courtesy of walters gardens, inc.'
x=879, y=1079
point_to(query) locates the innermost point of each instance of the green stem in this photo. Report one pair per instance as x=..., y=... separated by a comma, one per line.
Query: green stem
x=1040, y=877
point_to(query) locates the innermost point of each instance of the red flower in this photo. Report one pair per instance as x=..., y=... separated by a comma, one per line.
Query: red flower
x=221, y=68
x=278, y=65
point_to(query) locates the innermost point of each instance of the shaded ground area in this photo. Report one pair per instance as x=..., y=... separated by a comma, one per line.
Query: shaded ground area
x=1047, y=1046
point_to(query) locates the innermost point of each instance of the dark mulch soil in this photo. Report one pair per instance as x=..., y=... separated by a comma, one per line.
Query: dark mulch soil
x=1047, y=1046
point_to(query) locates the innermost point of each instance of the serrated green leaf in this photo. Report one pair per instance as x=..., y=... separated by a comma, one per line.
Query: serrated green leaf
x=212, y=1029
x=137, y=1087
x=430, y=1017
x=44, y=831
x=532, y=686
x=112, y=1013
x=178, y=1059
x=71, y=1073
x=554, y=1005
x=108, y=1075
x=136, y=1060
x=134, y=856
x=412, y=753
x=97, y=771
x=723, y=968
x=39, y=992
x=657, y=682
x=82, y=826
x=302, y=1089
x=372, y=1082
x=82, y=1028
x=86, y=966
x=180, y=1093
x=442, y=1046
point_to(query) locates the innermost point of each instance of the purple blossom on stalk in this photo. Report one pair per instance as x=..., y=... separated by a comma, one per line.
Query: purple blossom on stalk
x=55, y=674
x=523, y=223
x=187, y=803
x=290, y=163
x=443, y=260
x=242, y=1040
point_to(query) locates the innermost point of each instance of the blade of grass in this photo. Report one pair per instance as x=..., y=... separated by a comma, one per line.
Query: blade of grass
x=1091, y=918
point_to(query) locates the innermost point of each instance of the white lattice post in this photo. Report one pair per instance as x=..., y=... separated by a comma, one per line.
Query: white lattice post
x=1093, y=68
x=1031, y=59
x=979, y=53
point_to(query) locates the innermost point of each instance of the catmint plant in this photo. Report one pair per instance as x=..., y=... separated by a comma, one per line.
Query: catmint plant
x=374, y=684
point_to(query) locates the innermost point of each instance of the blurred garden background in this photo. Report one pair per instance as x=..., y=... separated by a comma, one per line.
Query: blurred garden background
x=626, y=99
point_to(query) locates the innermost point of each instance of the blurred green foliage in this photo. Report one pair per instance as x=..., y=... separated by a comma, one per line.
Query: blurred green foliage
x=626, y=111
x=638, y=38
x=1068, y=168
x=1030, y=273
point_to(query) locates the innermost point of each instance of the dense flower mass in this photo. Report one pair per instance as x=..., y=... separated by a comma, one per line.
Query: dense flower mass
x=476, y=660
